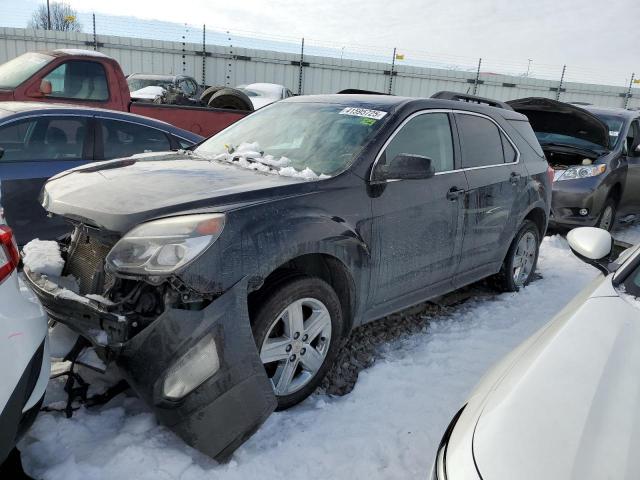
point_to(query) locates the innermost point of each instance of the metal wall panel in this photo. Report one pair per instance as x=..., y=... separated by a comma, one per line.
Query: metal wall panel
x=227, y=65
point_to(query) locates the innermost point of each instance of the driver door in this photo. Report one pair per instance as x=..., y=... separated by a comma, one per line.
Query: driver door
x=416, y=237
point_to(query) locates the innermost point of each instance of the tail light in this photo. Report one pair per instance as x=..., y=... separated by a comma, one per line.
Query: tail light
x=9, y=255
x=551, y=174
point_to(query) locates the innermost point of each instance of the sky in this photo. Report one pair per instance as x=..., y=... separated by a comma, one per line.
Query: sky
x=595, y=39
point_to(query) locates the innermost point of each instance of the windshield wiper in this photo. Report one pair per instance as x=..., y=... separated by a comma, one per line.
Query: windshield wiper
x=573, y=147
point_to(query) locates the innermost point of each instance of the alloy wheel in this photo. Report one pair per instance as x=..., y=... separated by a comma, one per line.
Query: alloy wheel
x=524, y=258
x=296, y=345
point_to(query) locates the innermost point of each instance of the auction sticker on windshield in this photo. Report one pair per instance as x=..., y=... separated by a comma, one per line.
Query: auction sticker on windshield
x=363, y=112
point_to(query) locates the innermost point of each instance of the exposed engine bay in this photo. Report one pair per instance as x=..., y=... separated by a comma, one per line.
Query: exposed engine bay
x=561, y=160
x=135, y=303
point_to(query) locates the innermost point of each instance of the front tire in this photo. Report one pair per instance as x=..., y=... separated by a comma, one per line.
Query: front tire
x=298, y=330
x=607, y=218
x=522, y=258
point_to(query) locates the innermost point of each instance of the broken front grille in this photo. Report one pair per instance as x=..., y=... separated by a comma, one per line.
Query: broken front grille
x=85, y=262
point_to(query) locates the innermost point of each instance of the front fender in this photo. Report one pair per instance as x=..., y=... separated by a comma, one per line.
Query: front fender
x=257, y=244
x=225, y=410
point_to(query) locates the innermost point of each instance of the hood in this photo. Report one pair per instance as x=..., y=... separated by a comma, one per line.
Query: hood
x=119, y=194
x=551, y=116
x=259, y=102
x=568, y=407
x=147, y=93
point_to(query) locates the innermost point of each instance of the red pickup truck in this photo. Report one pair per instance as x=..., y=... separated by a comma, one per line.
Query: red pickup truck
x=91, y=78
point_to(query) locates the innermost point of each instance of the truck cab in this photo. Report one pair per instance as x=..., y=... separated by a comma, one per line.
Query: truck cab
x=90, y=78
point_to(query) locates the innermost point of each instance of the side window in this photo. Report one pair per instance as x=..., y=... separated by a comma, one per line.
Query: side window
x=510, y=154
x=188, y=87
x=524, y=129
x=44, y=139
x=123, y=139
x=81, y=80
x=428, y=135
x=481, y=142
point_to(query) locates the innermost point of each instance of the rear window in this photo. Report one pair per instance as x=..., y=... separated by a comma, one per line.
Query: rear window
x=481, y=141
x=526, y=132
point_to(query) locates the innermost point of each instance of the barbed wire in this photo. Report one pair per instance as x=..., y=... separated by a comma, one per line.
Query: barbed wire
x=157, y=30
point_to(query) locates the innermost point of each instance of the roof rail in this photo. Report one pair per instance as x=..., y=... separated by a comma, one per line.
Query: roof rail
x=464, y=97
x=361, y=92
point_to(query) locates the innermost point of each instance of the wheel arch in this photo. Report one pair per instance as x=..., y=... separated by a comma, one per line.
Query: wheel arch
x=321, y=265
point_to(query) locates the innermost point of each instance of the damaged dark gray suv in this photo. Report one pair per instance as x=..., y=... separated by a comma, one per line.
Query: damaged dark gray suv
x=222, y=280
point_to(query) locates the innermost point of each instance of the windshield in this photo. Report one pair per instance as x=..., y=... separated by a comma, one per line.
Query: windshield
x=319, y=138
x=614, y=124
x=546, y=138
x=16, y=71
x=140, y=83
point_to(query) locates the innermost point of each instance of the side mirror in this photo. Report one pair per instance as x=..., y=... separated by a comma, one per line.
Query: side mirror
x=45, y=87
x=406, y=166
x=592, y=245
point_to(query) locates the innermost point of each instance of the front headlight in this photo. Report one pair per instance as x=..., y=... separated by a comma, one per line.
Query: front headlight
x=163, y=246
x=582, y=171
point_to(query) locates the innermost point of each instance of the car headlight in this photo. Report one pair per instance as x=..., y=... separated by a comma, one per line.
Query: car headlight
x=581, y=171
x=163, y=246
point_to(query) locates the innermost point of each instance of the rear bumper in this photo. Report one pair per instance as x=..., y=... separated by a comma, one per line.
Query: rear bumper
x=220, y=414
x=14, y=419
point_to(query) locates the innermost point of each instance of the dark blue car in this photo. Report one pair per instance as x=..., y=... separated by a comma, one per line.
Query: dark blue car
x=39, y=140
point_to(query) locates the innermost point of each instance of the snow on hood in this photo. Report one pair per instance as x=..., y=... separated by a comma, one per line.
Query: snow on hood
x=148, y=93
x=248, y=155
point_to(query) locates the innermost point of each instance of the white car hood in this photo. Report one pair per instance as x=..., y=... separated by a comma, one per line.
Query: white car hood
x=147, y=93
x=259, y=102
x=579, y=421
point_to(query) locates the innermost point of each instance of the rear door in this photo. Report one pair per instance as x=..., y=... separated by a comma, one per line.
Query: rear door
x=495, y=177
x=416, y=223
x=36, y=149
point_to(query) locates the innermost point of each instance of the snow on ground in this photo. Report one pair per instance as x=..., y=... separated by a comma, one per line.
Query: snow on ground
x=387, y=428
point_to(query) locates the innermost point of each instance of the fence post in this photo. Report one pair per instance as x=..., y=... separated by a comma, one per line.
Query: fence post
x=184, y=49
x=229, y=65
x=95, y=37
x=564, y=69
x=475, y=83
x=393, y=67
x=628, y=94
x=301, y=66
x=204, y=55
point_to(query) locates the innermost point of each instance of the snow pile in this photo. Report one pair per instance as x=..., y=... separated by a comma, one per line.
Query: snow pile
x=248, y=155
x=389, y=426
x=43, y=256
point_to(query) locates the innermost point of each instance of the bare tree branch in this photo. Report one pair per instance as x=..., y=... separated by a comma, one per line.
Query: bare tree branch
x=63, y=18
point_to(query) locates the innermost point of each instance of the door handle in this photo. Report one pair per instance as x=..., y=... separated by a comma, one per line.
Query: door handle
x=454, y=193
x=515, y=178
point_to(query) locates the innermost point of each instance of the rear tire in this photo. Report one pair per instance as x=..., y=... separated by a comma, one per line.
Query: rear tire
x=607, y=218
x=522, y=258
x=231, y=99
x=208, y=93
x=298, y=330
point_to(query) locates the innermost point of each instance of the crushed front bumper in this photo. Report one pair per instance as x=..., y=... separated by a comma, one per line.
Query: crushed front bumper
x=220, y=414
